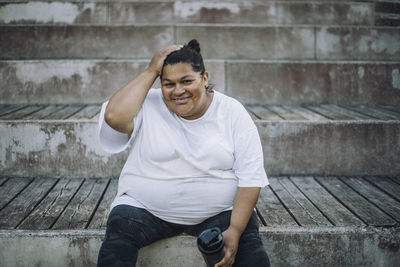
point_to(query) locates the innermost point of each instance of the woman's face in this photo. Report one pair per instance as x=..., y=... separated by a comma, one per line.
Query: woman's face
x=184, y=90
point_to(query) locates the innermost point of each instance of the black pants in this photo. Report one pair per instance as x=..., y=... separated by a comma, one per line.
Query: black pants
x=130, y=228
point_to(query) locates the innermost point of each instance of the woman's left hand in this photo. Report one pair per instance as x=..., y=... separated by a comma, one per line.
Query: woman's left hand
x=231, y=240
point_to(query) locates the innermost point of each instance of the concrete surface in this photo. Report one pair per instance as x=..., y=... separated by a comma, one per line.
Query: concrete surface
x=146, y=12
x=77, y=81
x=297, y=246
x=71, y=149
x=262, y=42
x=306, y=82
x=252, y=82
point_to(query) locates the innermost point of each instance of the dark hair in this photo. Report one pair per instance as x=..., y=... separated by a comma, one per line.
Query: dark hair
x=189, y=53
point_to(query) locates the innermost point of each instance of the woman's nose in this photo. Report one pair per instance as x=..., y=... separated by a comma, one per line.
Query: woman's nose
x=179, y=89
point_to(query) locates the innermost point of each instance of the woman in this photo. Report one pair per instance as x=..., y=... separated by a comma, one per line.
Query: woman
x=195, y=162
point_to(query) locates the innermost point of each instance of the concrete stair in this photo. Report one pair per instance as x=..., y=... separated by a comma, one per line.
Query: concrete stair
x=321, y=80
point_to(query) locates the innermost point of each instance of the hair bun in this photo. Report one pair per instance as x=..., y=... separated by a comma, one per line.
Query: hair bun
x=194, y=45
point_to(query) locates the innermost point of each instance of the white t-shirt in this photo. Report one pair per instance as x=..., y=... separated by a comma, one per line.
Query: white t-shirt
x=185, y=171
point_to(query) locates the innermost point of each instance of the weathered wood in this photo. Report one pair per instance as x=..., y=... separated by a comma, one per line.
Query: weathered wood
x=11, y=188
x=369, y=213
x=394, y=115
x=347, y=112
x=18, y=114
x=43, y=113
x=303, y=210
x=285, y=113
x=387, y=185
x=396, y=179
x=11, y=108
x=25, y=202
x=272, y=210
x=325, y=202
x=264, y=114
x=87, y=112
x=2, y=180
x=79, y=211
x=50, y=208
x=64, y=113
x=252, y=115
x=99, y=219
x=395, y=108
x=374, y=195
x=308, y=114
x=325, y=111
x=370, y=112
x=4, y=107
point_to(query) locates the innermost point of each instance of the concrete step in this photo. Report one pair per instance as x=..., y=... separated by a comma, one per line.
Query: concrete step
x=262, y=42
x=175, y=12
x=352, y=221
x=251, y=81
x=61, y=141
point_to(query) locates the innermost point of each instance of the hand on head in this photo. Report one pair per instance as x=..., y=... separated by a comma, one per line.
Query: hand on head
x=157, y=61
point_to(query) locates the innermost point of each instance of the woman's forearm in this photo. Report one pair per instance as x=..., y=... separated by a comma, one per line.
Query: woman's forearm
x=125, y=104
x=245, y=201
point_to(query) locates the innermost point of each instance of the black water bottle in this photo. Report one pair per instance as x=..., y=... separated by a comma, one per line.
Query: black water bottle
x=211, y=245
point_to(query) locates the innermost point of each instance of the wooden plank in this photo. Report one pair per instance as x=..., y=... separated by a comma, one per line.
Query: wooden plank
x=11, y=108
x=79, y=211
x=4, y=107
x=393, y=114
x=18, y=114
x=348, y=112
x=2, y=181
x=327, y=112
x=370, y=112
x=272, y=210
x=308, y=114
x=285, y=113
x=252, y=115
x=11, y=188
x=99, y=219
x=374, y=195
x=65, y=112
x=387, y=185
x=325, y=202
x=291, y=113
x=395, y=108
x=25, y=202
x=50, y=208
x=96, y=117
x=87, y=112
x=43, y=113
x=264, y=114
x=302, y=208
x=369, y=213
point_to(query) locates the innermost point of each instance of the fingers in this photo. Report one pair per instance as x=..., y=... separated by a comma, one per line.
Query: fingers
x=159, y=57
x=227, y=260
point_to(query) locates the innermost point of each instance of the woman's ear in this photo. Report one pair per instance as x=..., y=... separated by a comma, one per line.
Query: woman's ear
x=205, y=78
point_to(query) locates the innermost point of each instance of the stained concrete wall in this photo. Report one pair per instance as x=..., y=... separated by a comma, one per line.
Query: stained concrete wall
x=139, y=12
x=71, y=148
x=285, y=246
x=262, y=42
x=252, y=82
x=77, y=81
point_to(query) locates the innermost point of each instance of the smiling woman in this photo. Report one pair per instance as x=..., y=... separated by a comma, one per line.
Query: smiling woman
x=195, y=162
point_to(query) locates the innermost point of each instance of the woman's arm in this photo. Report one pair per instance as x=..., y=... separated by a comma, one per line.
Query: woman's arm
x=245, y=201
x=125, y=104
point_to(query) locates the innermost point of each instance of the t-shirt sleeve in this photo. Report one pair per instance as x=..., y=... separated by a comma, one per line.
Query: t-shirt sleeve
x=111, y=140
x=249, y=159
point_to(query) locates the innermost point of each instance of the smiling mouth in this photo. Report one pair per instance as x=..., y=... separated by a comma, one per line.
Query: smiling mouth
x=181, y=100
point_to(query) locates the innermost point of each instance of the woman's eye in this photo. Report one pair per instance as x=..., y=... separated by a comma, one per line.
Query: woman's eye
x=186, y=81
x=168, y=85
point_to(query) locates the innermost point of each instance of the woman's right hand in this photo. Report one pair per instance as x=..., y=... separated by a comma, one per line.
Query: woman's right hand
x=157, y=61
